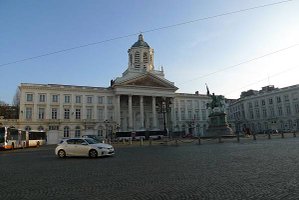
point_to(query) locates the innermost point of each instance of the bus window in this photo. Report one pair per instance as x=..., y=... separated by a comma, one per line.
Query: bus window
x=2, y=132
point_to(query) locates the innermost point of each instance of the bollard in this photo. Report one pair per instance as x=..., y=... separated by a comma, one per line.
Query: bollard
x=199, y=142
x=141, y=141
x=130, y=141
x=269, y=136
x=176, y=142
x=150, y=141
x=282, y=135
x=124, y=141
x=294, y=134
x=254, y=137
x=219, y=139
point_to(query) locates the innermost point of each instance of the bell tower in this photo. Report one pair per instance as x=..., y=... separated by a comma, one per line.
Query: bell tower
x=141, y=56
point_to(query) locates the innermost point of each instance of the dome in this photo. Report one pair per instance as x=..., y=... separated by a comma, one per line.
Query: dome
x=140, y=42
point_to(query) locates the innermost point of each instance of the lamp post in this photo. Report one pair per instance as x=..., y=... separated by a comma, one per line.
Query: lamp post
x=106, y=126
x=164, y=114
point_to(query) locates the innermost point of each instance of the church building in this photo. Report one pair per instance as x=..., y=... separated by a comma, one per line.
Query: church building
x=140, y=100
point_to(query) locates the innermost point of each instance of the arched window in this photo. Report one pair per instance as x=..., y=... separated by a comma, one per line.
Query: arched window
x=131, y=59
x=77, y=131
x=27, y=128
x=40, y=128
x=66, y=131
x=145, y=57
x=137, y=57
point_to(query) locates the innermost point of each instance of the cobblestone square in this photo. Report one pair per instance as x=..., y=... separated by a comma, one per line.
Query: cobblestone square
x=262, y=169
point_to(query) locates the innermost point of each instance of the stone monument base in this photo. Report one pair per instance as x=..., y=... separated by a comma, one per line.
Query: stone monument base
x=218, y=125
x=219, y=131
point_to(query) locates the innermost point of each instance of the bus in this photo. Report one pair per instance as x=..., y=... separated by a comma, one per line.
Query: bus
x=36, y=138
x=11, y=138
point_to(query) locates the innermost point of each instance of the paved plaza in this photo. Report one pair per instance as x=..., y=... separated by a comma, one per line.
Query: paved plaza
x=261, y=169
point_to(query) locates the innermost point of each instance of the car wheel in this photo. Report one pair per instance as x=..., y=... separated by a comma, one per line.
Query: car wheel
x=61, y=153
x=93, y=153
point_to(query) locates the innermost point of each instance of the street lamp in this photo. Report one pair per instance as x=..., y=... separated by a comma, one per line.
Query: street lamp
x=164, y=110
x=106, y=126
x=164, y=114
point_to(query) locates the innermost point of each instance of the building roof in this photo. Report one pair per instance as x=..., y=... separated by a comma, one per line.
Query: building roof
x=140, y=42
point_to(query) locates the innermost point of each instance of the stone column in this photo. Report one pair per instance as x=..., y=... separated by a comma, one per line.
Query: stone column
x=154, y=112
x=117, y=110
x=130, y=112
x=141, y=112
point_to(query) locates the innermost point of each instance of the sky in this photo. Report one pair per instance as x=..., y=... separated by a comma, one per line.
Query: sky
x=230, y=53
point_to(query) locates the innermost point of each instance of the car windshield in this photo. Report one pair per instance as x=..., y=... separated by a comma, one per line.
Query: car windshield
x=91, y=141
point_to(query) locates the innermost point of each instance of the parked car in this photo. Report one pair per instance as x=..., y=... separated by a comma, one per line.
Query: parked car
x=99, y=139
x=83, y=147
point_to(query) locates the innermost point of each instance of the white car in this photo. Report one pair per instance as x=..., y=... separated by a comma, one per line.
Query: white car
x=83, y=147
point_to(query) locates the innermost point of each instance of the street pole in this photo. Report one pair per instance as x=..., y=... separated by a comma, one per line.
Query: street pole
x=164, y=114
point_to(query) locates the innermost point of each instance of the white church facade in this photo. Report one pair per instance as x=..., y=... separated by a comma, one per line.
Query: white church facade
x=140, y=100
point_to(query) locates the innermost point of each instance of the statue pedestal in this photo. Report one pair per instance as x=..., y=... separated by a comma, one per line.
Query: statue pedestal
x=218, y=125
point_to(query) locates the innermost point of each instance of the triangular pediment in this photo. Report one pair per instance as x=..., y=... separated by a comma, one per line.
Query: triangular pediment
x=148, y=80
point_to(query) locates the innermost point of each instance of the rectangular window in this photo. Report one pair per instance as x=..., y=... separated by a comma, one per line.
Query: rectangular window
x=189, y=104
x=197, y=114
x=270, y=101
x=28, y=113
x=251, y=114
x=278, y=99
x=29, y=97
x=78, y=113
x=250, y=105
x=263, y=102
x=89, y=99
x=78, y=99
x=264, y=113
x=54, y=113
x=53, y=127
x=66, y=113
x=42, y=98
x=256, y=104
x=41, y=113
x=100, y=114
x=67, y=99
x=100, y=100
x=286, y=98
x=110, y=114
x=257, y=113
x=190, y=115
x=55, y=98
x=89, y=113
x=288, y=109
x=297, y=107
x=110, y=100
x=182, y=114
x=279, y=111
x=177, y=115
x=272, y=113
x=204, y=114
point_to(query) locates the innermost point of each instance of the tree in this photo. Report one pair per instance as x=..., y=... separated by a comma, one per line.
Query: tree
x=16, y=98
x=2, y=103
